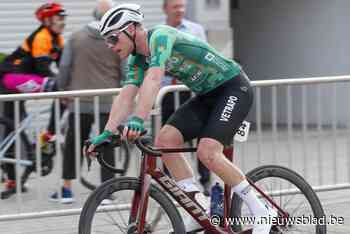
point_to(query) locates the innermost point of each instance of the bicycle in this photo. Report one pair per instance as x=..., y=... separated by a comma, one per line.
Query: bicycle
x=29, y=161
x=28, y=145
x=147, y=201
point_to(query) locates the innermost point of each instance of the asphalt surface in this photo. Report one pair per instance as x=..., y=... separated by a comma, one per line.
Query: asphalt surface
x=321, y=157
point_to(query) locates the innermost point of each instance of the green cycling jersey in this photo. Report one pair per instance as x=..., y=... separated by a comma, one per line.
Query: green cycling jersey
x=183, y=56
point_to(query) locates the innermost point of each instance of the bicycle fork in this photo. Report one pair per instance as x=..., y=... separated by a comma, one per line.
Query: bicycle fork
x=140, y=200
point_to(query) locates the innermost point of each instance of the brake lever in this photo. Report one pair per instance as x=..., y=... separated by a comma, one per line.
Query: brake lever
x=88, y=158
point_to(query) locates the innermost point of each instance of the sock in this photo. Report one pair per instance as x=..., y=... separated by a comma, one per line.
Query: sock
x=248, y=195
x=188, y=185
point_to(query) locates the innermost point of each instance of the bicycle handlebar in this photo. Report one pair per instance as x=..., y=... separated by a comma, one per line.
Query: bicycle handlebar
x=116, y=141
x=143, y=143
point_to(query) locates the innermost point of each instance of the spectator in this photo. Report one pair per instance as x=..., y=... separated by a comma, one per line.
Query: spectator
x=175, y=12
x=86, y=63
x=28, y=70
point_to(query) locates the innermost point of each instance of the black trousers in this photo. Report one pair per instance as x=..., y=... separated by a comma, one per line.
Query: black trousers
x=86, y=121
x=168, y=108
x=9, y=112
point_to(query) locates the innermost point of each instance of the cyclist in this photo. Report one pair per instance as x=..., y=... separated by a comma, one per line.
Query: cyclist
x=28, y=68
x=223, y=99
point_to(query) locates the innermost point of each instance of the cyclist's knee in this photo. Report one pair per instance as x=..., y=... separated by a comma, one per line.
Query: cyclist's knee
x=208, y=152
x=168, y=137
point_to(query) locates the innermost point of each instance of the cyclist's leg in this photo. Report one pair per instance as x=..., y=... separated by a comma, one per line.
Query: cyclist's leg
x=204, y=173
x=228, y=112
x=167, y=110
x=185, y=124
x=24, y=83
x=231, y=106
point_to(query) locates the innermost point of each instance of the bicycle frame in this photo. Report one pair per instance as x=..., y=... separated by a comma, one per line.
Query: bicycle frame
x=149, y=171
x=11, y=138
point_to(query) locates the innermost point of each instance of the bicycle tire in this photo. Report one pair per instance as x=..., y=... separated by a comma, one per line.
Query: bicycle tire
x=126, y=155
x=289, y=175
x=126, y=183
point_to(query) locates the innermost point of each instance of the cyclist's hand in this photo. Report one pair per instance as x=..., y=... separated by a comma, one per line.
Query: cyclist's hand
x=96, y=141
x=134, y=128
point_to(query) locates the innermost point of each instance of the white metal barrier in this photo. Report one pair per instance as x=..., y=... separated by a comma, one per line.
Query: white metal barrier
x=287, y=145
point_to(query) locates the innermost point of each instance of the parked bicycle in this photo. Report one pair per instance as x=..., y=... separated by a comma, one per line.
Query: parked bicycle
x=28, y=159
x=28, y=150
x=142, y=207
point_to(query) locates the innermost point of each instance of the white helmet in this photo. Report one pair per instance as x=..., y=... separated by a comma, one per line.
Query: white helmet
x=120, y=17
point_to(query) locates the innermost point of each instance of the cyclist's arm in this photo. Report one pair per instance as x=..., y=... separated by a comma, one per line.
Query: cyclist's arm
x=124, y=102
x=121, y=107
x=148, y=91
x=161, y=45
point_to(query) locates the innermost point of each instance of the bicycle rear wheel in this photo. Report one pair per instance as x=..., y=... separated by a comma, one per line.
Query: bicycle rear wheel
x=114, y=218
x=122, y=159
x=291, y=192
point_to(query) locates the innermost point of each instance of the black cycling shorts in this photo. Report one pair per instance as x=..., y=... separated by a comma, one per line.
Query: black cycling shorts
x=217, y=114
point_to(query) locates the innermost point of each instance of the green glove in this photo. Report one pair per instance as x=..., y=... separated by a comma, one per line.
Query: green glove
x=102, y=137
x=135, y=124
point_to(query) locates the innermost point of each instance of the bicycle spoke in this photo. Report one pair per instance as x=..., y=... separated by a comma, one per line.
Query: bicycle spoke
x=157, y=219
x=295, y=209
x=288, y=192
x=115, y=222
x=122, y=218
x=112, y=222
x=289, y=200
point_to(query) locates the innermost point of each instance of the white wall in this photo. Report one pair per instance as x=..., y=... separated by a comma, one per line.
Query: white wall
x=287, y=39
x=217, y=22
x=17, y=17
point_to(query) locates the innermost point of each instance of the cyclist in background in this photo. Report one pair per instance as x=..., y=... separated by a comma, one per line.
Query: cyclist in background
x=28, y=69
x=223, y=99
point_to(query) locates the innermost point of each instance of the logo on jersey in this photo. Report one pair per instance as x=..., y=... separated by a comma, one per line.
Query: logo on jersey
x=195, y=76
x=217, y=61
x=230, y=105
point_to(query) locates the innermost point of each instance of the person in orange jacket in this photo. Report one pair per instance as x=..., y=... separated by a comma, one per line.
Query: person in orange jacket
x=28, y=70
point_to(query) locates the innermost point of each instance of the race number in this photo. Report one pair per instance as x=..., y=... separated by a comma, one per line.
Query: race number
x=242, y=133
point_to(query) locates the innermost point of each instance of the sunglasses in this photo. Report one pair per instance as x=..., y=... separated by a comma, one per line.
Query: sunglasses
x=112, y=39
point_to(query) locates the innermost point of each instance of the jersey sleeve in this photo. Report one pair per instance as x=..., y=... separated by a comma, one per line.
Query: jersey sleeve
x=41, y=46
x=161, y=45
x=135, y=73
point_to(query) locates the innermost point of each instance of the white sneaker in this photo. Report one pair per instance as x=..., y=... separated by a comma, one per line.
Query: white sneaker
x=263, y=222
x=191, y=225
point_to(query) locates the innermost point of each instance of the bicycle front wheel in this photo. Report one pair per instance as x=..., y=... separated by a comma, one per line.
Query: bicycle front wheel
x=162, y=215
x=291, y=193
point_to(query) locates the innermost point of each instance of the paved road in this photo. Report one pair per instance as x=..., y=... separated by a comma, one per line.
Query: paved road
x=321, y=162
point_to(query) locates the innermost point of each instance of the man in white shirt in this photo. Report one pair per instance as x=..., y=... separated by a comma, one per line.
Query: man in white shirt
x=175, y=13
